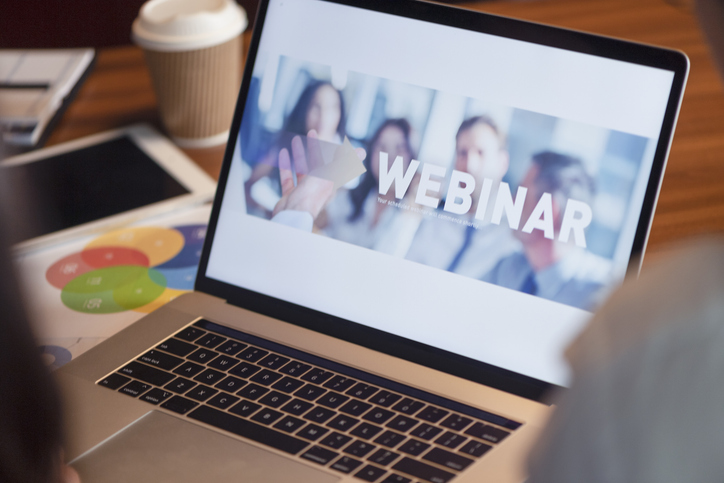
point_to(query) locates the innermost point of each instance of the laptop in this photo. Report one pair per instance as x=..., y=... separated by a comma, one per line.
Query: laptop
x=419, y=208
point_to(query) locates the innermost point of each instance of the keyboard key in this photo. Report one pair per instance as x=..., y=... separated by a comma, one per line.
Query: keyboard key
x=319, y=415
x=210, y=376
x=456, y=422
x=135, y=388
x=288, y=385
x=273, y=361
x=408, y=406
x=231, y=347
x=340, y=383
x=342, y=422
x=249, y=429
x=145, y=373
x=402, y=423
x=295, y=368
x=274, y=399
x=359, y=448
x=179, y=404
x=253, y=391
x=336, y=440
x=266, y=416
x=332, y=399
x=201, y=393
x=475, y=448
x=180, y=385
x=223, y=362
x=190, y=334
x=383, y=457
x=176, y=347
x=362, y=390
x=222, y=401
x=113, y=381
x=310, y=392
x=390, y=439
x=448, y=459
x=210, y=341
x=319, y=455
x=266, y=377
x=245, y=370
x=355, y=408
x=188, y=369
x=423, y=471
x=370, y=473
x=432, y=414
x=317, y=376
x=202, y=355
x=425, y=431
x=378, y=415
x=297, y=407
x=160, y=360
x=289, y=424
x=346, y=464
x=385, y=399
x=245, y=408
x=156, y=396
x=394, y=478
x=252, y=354
x=450, y=440
x=413, y=447
x=488, y=433
x=366, y=430
x=231, y=384
x=312, y=432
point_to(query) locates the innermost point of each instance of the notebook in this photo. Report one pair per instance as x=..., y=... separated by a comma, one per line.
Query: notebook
x=419, y=207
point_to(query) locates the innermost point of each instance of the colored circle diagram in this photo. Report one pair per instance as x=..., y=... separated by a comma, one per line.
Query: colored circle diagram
x=136, y=269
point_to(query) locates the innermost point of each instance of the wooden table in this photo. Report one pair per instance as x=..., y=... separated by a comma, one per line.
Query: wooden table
x=119, y=93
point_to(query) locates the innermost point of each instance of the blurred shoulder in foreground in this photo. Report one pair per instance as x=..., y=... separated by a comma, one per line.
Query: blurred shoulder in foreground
x=647, y=398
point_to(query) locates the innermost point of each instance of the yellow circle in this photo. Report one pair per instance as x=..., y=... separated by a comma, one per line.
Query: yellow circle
x=168, y=295
x=158, y=244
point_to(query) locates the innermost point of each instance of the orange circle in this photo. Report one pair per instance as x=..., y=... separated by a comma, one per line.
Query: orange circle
x=158, y=244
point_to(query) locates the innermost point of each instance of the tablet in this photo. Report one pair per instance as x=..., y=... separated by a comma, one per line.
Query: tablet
x=99, y=182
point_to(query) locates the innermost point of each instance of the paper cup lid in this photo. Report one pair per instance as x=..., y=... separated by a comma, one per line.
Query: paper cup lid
x=178, y=25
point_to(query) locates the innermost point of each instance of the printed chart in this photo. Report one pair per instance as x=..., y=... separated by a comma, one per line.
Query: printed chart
x=82, y=292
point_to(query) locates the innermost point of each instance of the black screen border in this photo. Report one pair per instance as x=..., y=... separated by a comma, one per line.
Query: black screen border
x=407, y=349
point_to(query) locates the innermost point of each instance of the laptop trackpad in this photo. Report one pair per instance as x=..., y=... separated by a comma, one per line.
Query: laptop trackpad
x=161, y=447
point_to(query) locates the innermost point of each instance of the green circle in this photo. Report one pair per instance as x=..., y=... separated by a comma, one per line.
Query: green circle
x=91, y=303
x=144, y=290
x=104, y=279
x=113, y=289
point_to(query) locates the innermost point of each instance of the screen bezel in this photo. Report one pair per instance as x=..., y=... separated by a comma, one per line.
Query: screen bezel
x=407, y=349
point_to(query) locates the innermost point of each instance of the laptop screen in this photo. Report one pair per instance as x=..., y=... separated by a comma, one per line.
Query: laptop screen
x=476, y=191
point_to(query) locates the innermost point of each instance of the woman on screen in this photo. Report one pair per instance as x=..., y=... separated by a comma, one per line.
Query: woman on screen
x=320, y=108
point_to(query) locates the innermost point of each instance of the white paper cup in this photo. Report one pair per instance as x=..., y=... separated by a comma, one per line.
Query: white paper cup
x=193, y=51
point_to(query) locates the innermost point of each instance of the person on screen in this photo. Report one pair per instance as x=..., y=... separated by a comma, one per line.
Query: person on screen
x=359, y=216
x=480, y=150
x=547, y=267
x=320, y=108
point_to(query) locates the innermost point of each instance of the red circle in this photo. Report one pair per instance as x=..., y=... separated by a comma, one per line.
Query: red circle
x=113, y=256
x=66, y=269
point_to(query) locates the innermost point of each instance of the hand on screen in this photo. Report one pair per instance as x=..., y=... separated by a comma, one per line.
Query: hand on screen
x=311, y=193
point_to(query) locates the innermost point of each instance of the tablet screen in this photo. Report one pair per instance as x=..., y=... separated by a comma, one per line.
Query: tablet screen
x=77, y=187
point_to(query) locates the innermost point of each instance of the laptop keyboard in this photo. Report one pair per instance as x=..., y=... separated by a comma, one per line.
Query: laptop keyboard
x=330, y=414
